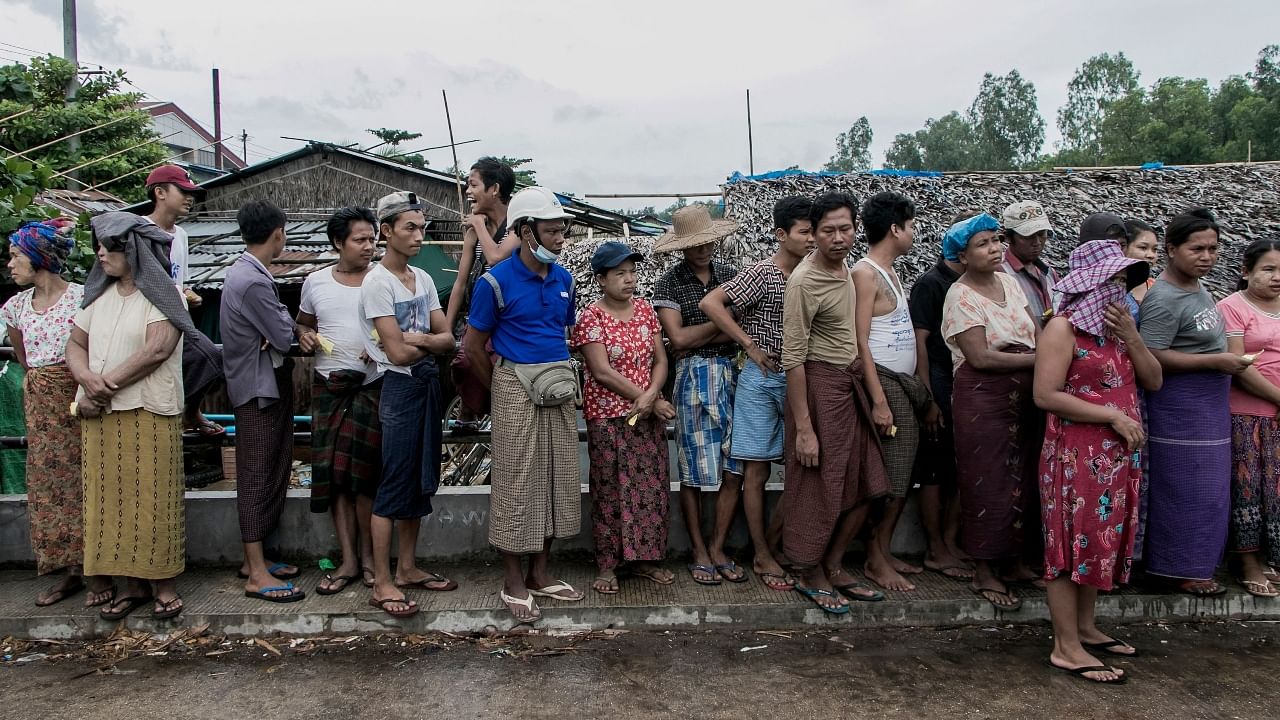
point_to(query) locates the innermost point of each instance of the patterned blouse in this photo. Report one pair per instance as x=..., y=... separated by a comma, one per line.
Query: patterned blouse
x=44, y=334
x=1005, y=323
x=629, y=346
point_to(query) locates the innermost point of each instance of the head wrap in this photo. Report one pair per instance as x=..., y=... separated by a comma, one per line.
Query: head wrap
x=1087, y=290
x=44, y=243
x=957, y=237
x=147, y=248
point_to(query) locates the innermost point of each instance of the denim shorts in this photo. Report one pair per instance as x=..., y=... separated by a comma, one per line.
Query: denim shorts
x=759, y=403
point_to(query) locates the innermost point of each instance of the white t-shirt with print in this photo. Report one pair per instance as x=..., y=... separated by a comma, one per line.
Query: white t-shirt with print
x=383, y=295
x=336, y=308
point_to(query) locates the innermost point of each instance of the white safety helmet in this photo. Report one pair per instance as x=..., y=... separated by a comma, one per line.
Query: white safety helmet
x=534, y=203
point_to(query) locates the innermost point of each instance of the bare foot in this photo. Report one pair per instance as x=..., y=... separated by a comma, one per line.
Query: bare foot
x=949, y=565
x=606, y=583
x=904, y=567
x=884, y=575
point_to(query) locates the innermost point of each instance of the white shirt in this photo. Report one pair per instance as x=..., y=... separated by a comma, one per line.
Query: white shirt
x=179, y=255
x=383, y=295
x=891, y=339
x=336, y=308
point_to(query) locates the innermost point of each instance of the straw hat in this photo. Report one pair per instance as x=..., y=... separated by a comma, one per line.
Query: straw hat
x=692, y=226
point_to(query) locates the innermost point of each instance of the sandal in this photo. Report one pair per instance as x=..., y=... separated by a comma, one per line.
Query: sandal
x=294, y=594
x=725, y=570
x=110, y=593
x=987, y=593
x=166, y=609
x=527, y=603
x=434, y=582
x=69, y=590
x=850, y=589
x=277, y=571
x=1201, y=588
x=780, y=583
x=694, y=569
x=1081, y=672
x=815, y=594
x=954, y=572
x=207, y=428
x=654, y=574
x=1262, y=589
x=1109, y=647
x=410, y=610
x=561, y=590
x=342, y=580
x=130, y=604
x=1271, y=574
x=606, y=584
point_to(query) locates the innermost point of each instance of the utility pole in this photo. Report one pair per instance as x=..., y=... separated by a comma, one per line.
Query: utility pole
x=72, y=56
x=244, y=145
x=751, y=151
x=217, y=120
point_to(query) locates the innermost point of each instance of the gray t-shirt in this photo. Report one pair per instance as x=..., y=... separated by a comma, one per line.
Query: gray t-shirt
x=383, y=295
x=1181, y=320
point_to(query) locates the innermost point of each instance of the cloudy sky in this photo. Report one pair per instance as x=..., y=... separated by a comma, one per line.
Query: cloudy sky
x=614, y=97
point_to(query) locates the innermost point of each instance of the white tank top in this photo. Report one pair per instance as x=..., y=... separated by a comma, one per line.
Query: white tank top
x=892, y=337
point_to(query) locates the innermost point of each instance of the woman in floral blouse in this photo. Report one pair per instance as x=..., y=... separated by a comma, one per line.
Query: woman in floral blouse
x=621, y=341
x=39, y=321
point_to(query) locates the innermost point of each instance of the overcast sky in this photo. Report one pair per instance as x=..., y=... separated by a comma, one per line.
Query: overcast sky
x=615, y=97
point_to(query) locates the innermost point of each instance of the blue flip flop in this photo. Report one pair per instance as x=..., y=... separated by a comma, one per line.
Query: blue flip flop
x=275, y=571
x=729, y=567
x=814, y=593
x=294, y=594
x=693, y=567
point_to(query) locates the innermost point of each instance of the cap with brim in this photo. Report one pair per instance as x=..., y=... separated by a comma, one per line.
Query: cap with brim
x=612, y=254
x=1095, y=262
x=1102, y=226
x=692, y=226
x=175, y=175
x=396, y=203
x=1025, y=217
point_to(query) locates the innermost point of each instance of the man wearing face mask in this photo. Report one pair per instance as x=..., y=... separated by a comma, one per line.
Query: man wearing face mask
x=525, y=305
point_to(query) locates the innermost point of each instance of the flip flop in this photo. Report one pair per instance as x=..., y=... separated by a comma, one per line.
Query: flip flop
x=1262, y=589
x=169, y=611
x=654, y=577
x=56, y=597
x=848, y=591
x=345, y=580
x=408, y=612
x=1109, y=646
x=954, y=572
x=814, y=593
x=207, y=428
x=109, y=591
x=425, y=583
x=782, y=583
x=1080, y=673
x=715, y=576
x=526, y=603
x=1271, y=574
x=611, y=582
x=732, y=566
x=275, y=572
x=552, y=591
x=294, y=594
x=1197, y=588
x=981, y=592
x=130, y=604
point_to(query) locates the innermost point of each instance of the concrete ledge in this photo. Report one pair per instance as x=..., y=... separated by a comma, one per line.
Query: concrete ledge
x=216, y=597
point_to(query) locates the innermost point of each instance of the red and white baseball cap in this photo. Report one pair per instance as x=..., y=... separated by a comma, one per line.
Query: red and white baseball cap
x=176, y=175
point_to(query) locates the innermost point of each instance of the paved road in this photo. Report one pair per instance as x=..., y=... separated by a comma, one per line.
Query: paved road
x=1218, y=670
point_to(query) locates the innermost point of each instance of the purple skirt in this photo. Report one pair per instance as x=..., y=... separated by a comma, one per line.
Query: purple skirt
x=1189, y=501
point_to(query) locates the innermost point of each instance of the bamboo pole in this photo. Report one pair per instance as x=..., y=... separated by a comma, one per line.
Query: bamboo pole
x=72, y=135
x=16, y=115
x=655, y=195
x=118, y=152
x=457, y=181
x=148, y=167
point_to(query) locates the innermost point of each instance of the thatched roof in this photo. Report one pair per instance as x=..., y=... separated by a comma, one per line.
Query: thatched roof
x=1245, y=198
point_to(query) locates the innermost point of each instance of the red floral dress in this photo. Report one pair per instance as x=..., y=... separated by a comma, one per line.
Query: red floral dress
x=630, y=489
x=1088, y=477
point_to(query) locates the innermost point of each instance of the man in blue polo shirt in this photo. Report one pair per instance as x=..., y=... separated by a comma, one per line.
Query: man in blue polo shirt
x=525, y=305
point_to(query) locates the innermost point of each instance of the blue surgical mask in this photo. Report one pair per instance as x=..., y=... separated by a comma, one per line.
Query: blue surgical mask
x=544, y=255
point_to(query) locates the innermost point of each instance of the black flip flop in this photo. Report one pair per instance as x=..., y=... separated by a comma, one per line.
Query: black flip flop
x=1080, y=672
x=1107, y=647
x=344, y=579
x=848, y=591
x=110, y=591
x=169, y=612
x=131, y=604
x=410, y=611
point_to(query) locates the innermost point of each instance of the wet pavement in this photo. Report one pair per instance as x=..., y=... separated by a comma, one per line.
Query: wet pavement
x=1222, y=669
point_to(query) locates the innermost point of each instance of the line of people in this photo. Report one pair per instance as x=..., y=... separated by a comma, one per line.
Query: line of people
x=1058, y=428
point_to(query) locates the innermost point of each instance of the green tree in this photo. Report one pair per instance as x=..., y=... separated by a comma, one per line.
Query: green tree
x=390, y=149
x=906, y=152
x=122, y=143
x=853, y=148
x=20, y=182
x=1120, y=137
x=1098, y=82
x=524, y=175
x=1008, y=130
x=1181, y=126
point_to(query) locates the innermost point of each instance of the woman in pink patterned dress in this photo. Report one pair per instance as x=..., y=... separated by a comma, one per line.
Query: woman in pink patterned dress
x=38, y=321
x=1089, y=363
x=621, y=341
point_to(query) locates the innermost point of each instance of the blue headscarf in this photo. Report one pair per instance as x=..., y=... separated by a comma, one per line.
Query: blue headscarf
x=957, y=237
x=43, y=245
